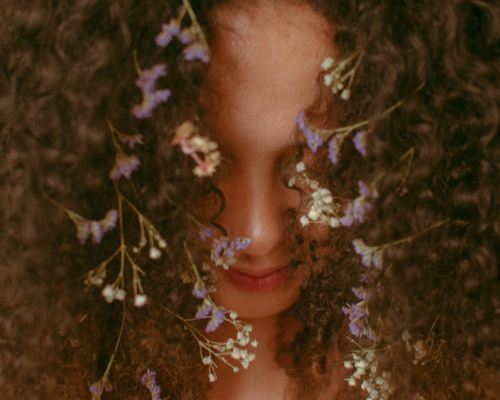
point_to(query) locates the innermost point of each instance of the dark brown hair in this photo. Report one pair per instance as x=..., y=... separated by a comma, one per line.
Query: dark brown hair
x=67, y=67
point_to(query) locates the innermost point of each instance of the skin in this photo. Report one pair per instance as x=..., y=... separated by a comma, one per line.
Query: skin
x=265, y=63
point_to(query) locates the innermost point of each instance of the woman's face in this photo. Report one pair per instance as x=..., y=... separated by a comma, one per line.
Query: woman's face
x=265, y=63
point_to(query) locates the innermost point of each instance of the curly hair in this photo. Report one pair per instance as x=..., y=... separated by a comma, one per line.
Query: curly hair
x=67, y=68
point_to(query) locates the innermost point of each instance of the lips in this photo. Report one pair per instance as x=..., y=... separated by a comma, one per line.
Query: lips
x=264, y=281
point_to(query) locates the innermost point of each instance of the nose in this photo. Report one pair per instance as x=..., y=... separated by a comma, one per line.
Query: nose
x=256, y=208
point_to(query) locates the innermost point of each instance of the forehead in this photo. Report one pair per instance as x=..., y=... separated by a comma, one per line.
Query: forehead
x=266, y=57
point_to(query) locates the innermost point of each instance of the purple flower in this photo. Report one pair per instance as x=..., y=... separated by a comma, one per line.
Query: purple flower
x=360, y=142
x=333, y=150
x=150, y=96
x=358, y=209
x=216, y=320
x=241, y=243
x=312, y=138
x=223, y=252
x=206, y=233
x=204, y=310
x=97, y=229
x=131, y=140
x=109, y=221
x=196, y=51
x=149, y=380
x=168, y=32
x=360, y=293
x=199, y=291
x=98, y=387
x=357, y=314
x=124, y=166
x=186, y=36
x=370, y=256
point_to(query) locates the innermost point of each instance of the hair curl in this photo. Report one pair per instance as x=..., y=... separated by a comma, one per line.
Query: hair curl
x=67, y=67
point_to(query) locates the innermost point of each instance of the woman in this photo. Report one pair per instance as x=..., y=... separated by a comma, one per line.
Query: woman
x=304, y=100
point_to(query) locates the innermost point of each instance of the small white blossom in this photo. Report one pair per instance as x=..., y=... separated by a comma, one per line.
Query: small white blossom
x=140, y=300
x=327, y=63
x=108, y=293
x=206, y=360
x=300, y=167
x=345, y=94
x=154, y=253
x=119, y=294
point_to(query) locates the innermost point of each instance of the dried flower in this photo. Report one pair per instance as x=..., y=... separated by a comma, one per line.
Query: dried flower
x=149, y=380
x=370, y=256
x=96, y=229
x=223, y=252
x=168, y=32
x=202, y=150
x=196, y=51
x=124, y=166
x=150, y=96
x=314, y=141
x=209, y=308
x=98, y=387
x=130, y=140
x=140, y=300
x=366, y=372
x=357, y=314
x=359, y=140
x=333, y=149
x=358, y=209
x=206, y=233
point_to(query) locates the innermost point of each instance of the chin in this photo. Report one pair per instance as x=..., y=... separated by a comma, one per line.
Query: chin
x=252, y=302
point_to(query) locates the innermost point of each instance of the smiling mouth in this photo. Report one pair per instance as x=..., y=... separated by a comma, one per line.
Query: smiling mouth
x=266, y=282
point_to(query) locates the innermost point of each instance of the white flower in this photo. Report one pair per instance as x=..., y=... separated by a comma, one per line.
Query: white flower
x=212, y=377
x=304, y=220
x=108, y=293
x=206, y=360
x=254, y=343
x=140, y=300
x=300, y=167
x=346, y=94
x=119, y=294
x=327, y=63
x=328, y=79
x=154, y=253
x=233, y=315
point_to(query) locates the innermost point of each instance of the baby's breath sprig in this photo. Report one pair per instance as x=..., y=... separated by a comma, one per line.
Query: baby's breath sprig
x=233, y=350
x=324, y=207
x=339, y=76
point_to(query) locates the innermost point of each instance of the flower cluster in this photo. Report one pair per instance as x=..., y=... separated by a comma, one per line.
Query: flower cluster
x=315, y=137
x=149, y=380
x=365, y=370
x=151, y=97
x=96, y=229
x=202, y=150
x=212, y=350
x=371, y=256
x=196, y=44
x=233, y=351
x=357, y=314
x=223, y=251
x=358, y=209
x=339, y=76
x=323, y=209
